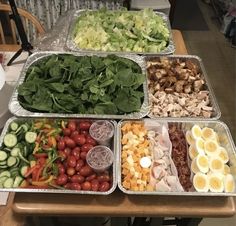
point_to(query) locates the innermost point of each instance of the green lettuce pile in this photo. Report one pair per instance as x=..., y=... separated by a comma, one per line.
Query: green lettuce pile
x=104, y=30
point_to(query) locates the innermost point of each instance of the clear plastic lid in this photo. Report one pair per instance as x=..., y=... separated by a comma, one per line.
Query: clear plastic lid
x=100, y=158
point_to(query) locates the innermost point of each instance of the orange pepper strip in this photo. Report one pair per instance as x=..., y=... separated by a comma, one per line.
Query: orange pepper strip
x=52, y=142
x=41, y=183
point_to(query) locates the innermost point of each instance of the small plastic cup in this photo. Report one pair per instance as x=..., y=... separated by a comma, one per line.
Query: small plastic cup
x=100, y=158
x=102, y=131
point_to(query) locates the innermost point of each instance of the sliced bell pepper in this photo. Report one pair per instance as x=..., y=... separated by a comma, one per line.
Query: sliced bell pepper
x=31, y=170
x=41, y=155
x=41, y=183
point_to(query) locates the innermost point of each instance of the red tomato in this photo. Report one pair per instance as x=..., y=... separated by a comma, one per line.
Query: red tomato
x=103, y=178
x=84, y=125
x=70, y=171
x=86, y=147
x=104, y=186
x=67, y=151
x=62, y=179
x=86, y=186
x=90, y=140
x=71, y=161
x=58, y=137
x=67, y=186
x=86, y=171
x=79, y=139
x=76, y=186
x=83, y=155
x=77, y=178
x=70, y=143
x=79, y=164
x=74, y=133
x=91, y=177
x=62, y=155
x=84, y=132
x=66, y=132
x=76, y=152
x=71, y=125
x=61, y=169
x=61, y=145
x=94, y=185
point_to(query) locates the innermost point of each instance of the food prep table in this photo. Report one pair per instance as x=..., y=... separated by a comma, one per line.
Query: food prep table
x=118, y=204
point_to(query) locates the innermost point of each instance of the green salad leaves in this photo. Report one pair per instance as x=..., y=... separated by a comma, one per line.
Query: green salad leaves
x=64, y=83
x=104, y=30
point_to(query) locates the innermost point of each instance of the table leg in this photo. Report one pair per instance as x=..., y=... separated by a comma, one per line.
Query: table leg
x=189, y=222
x=146, y=221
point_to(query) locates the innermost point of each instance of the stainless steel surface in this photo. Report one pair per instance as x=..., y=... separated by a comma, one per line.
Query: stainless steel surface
x=72, y=46
x=225, y=138
x=197, y=60
x=17, y=110
x=66, y=191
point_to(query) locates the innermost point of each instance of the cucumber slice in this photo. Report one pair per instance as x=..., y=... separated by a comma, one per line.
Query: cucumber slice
x=8, y=183
x=10, y=140
x=23, y=170
x=5, y=174
x=17, y=181
x=14, y=126
x=3, y=167
x=3, y=155
x=15, y=152
x=7, y=149
x=23, y=158
x=11, y=161
x=3, y=163
x=30, y=137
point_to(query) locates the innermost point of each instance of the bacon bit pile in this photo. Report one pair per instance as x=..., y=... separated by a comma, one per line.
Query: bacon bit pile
x=180, y=156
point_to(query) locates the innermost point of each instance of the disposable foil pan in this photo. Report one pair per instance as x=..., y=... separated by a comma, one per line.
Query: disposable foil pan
x=17, y=110
x=64, y=191
x=72, y=46
x=197, y=61
x=225, y=138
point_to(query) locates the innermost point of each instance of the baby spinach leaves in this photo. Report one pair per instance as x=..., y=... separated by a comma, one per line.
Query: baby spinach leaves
x=64, y=83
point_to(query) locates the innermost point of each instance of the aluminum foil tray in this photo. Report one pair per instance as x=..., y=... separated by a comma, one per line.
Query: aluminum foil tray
x=197, y=61
x=226, y=141
x=17, y=110
x=64, y=191
x=71, y=45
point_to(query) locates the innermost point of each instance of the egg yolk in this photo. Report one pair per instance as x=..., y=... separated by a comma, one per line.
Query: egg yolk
x=200, y=182
x=215, y=182
x=207, y=133
x=211, y=146
x=216, y=164
x=203, y=161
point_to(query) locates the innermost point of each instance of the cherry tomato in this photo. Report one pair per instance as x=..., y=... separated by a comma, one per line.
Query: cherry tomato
x=91, y=177
x=71, y=161
x=76, y=186
x=70, y=143
x=79, y=164
x=61, y=169
x=76, y=152
x=104, y=186
x=77, y=179
x=71, y=125
x=58, y=137
x=62, y=179
x=67, y=151
x=83, y=155
x=90, y=140
x=61, y=145
x=66, y=132
x=67, y=186
x=86, y=147
x=62, y=155
x=74, y=133
x=79, y=139
x=70, y=171
x=86, y=186
x=84, y=132
x=103, y=178
x=94, y=185
x=86, y=171
x=84, y=125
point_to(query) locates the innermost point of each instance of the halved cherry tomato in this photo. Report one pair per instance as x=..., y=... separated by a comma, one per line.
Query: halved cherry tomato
x=71, y=161
x=70, y=143
x=104, y=186
x=86, y=147
x=84, y=125
x=79, y=164
x=72, y=126
x=66, y=132
x=61, y=145
x=79, y=139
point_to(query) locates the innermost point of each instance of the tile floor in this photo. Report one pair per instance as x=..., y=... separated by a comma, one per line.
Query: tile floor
x=220, y=63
